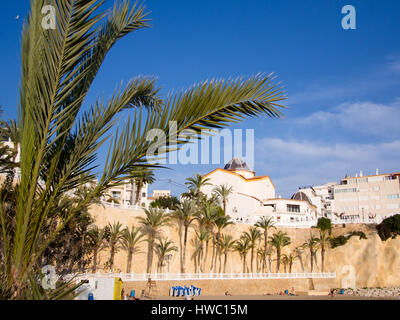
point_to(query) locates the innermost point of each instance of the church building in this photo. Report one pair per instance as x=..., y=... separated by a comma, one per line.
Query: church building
x=255, y=196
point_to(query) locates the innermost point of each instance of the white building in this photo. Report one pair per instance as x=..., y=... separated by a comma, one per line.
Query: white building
x=254, y=196
x=161, y=193
x=125, y=195
x=358, y=199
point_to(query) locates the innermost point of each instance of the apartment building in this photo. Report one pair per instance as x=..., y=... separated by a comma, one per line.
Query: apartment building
x=127, y=195
x=364, y=199
x=368, y=197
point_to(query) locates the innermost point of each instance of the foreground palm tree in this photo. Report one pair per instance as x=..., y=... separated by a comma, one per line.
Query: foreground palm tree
x=153, y=221
x=130, y=241
x=59, y=140
x=114, y=241
x=163, y=247
x=184, y=214
x=279, y=240
x=265, y=223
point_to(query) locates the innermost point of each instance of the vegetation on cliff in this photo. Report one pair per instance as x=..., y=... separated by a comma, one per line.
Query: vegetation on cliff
x=389, y=227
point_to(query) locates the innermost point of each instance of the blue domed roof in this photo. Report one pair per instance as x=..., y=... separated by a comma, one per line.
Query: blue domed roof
x=237, y=164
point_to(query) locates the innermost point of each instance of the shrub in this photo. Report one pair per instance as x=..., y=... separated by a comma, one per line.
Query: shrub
x=389, y=227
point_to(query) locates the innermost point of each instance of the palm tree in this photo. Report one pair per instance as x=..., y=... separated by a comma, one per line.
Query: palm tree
x=312, y=244
x=226, y=245
x=142, y=177
x=153, y=221
x=206, y=218
x=114, y=241
x=163, y=247
x=243, y=246
x=288, y=259
x=198, y=243
x=97, y=237
x=185, y=216
x=130, y=240
x=195, y=183
x=60, y=141
x=221, y=222
x=253, y=235
x=279, y=240
x=265, y=223
x=325, y=227
x=223, y=192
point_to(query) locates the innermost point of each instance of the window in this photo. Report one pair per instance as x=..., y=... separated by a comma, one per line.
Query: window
x=293, y=208
x=116, y=194
x=392, y=196
x=346, y=190
x=393, y=206
x=364, y=198
x=143, y=194
x=378, y=206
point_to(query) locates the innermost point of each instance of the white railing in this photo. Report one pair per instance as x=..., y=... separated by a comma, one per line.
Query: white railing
x=207, y=276
x=345, y=220
x=122, y=206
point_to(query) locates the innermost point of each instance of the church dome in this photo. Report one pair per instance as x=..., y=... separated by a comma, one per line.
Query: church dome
x=237, y=164
x=300, y=196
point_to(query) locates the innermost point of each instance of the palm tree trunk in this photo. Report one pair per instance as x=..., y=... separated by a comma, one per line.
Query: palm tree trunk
x=251, y=259
x=139, y=186
x=244, y=263
x=290, y=267
x=200, y=260
x=180, y=245
x=150, y=254
x=184, y=249
x=112, y=254
x=206, y=255
x=265, y=249
x=322, y=257
x=94, y=268
x=278, y=259
x=226, y=258
x=312, y=260
x=213, y=256
x=129, y=262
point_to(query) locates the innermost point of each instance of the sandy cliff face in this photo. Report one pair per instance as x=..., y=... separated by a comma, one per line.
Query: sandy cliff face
x=359, y=263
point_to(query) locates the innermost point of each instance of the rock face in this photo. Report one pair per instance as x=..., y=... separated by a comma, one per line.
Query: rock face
x=358, y=264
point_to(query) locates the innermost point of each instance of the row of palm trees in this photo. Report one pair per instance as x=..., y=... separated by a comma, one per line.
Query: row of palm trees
x=209, y=220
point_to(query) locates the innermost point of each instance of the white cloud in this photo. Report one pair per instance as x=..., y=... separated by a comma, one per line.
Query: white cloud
x=362, y=117
x=294, y=163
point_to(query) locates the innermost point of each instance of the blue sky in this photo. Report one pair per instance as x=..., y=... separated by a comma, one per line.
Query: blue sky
x=343, y=85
